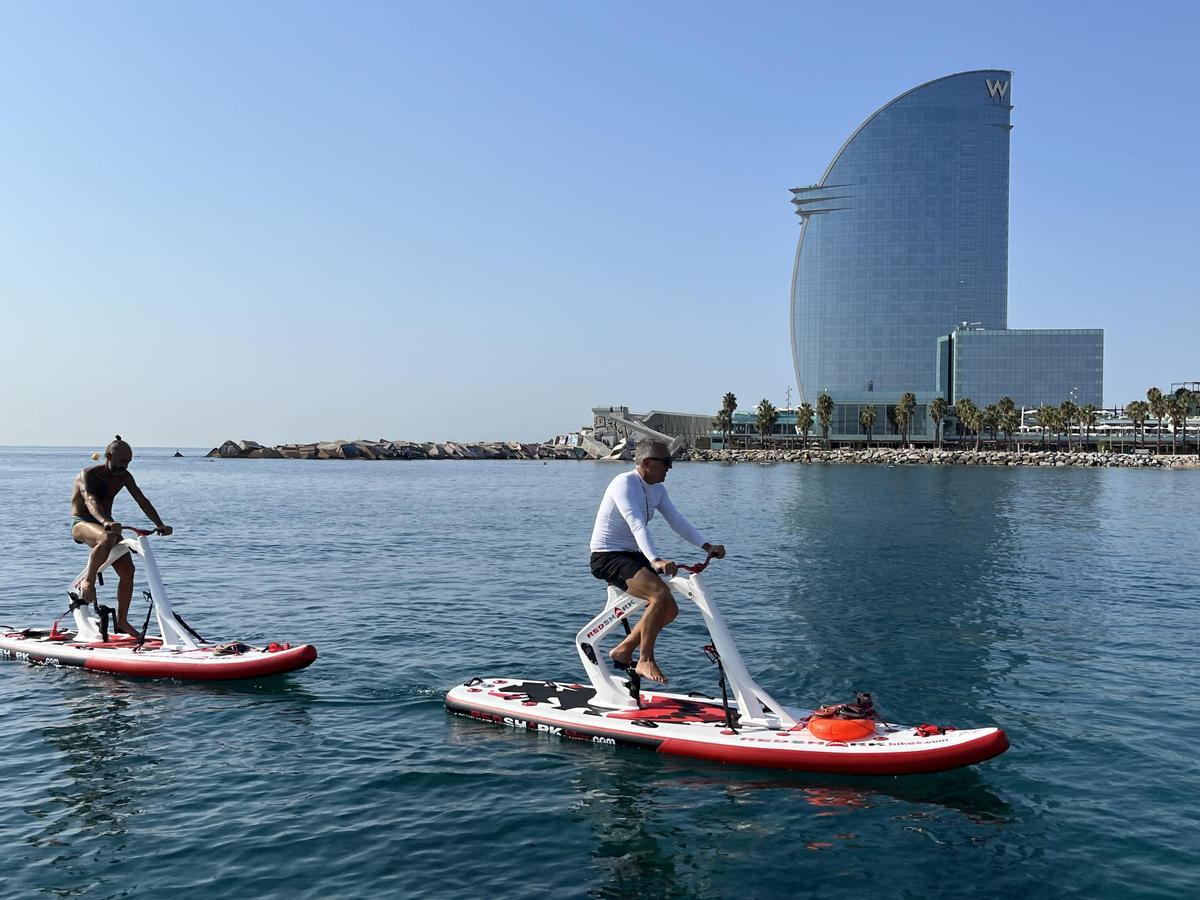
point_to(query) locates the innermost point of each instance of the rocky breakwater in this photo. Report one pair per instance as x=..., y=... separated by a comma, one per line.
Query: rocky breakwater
x=384, y=449
x=894, y=456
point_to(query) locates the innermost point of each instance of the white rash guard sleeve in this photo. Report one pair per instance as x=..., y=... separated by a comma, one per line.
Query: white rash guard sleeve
x=625, y=512
x=678, y=523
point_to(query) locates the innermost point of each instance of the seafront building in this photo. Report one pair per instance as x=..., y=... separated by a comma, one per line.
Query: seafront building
x=1044, y=366
x=900, y=280
x=616, y=430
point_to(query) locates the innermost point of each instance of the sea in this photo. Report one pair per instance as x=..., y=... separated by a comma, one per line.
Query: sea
x=1062, y=604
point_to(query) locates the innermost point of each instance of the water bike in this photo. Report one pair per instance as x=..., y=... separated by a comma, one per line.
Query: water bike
x=178, y=651
x=749, y=728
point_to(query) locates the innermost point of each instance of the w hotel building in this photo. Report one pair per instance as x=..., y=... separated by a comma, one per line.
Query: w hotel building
x=901, y=273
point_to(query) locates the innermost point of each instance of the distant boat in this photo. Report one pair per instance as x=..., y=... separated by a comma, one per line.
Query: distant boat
x=177, y=453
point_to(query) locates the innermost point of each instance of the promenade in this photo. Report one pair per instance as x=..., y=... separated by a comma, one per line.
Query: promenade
x=889, y=456
x=894, y=456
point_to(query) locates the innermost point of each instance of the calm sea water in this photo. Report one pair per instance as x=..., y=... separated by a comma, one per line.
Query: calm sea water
x=1063, y=605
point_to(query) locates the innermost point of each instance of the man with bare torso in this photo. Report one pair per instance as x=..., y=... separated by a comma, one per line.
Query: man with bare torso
x=91, y=506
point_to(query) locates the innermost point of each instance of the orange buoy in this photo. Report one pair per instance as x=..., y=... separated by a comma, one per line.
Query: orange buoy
x=831, y=728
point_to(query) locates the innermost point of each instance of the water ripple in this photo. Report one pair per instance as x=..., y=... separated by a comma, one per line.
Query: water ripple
x=1060, y=604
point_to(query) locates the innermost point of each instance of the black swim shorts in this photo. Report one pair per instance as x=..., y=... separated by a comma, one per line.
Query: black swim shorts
x=86, y=517
x=618, y=566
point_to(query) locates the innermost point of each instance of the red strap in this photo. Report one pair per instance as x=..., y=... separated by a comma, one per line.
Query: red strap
x=697, y=568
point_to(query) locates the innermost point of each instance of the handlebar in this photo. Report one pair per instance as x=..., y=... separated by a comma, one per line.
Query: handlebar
x=697, y=568
x=140, y=532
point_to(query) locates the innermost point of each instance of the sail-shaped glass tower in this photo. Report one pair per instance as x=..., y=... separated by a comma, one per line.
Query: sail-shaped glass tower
x=901, y=276
x=904, y=238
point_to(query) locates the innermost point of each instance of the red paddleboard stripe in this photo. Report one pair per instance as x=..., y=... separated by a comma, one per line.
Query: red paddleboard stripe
x=934, y=759
x=257, y=666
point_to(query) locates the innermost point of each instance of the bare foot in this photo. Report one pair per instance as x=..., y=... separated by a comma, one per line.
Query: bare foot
x=622, y=660
x=126, y=628
x=648, y=668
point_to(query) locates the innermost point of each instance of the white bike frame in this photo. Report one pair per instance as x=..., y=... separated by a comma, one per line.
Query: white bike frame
x=755, y=706
x=174, y=635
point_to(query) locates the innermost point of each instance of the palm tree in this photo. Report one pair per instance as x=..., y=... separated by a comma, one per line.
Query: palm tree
x=1193, y=406
x=1087, y=418
x=1068, y=412
x=804, y=421
x=1059, y=424
x=1054, y=423
x=825, y=414
x=977, y=426
x=766, y=417
x=1158, y=409
x=1185, y=398
x=724, y=424
x=1177, y=410
x=1008, y=409
x=904, y=413
x=937, y=412
x=1010, y=424
x=991, y=420
x=1137, y=410
x=1044, y=417
x=968, y=413
x=866, y=418
x=900, y=420
x=724, y=419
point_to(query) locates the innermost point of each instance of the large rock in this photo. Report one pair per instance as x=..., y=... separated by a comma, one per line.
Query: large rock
x=338, y=450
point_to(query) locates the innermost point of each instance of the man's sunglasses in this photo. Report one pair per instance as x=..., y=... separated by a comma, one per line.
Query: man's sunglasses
x=666, y=462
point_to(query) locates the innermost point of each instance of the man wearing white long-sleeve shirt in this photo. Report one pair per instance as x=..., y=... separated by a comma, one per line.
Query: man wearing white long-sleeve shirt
x=624, y=555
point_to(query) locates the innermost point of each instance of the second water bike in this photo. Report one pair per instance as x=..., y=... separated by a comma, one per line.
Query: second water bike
x=176, y=651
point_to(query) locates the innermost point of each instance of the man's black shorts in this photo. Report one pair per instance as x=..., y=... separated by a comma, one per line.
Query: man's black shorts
x=618, y=566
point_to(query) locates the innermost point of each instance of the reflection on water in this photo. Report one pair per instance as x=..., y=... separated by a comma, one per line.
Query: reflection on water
x=102, y=742
x=855, y=616
x=621, y=808
x=633, y=801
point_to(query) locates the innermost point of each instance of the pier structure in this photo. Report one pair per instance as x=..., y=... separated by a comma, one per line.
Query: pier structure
x=615, y=430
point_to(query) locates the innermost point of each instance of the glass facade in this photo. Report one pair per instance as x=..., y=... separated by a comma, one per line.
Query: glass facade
x=1031, y=366
x=904, y=238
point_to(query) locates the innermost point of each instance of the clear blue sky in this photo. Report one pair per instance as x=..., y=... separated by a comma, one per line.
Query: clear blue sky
x=300, y=221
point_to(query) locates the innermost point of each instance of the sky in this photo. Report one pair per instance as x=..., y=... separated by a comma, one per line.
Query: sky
x=293, y=221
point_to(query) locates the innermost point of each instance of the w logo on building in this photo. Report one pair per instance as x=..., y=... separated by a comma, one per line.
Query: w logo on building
x=996, y=88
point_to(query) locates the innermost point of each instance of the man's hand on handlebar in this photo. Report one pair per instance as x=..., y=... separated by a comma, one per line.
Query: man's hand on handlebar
x=117, y=527
x=717, y=550
x=665, y=567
